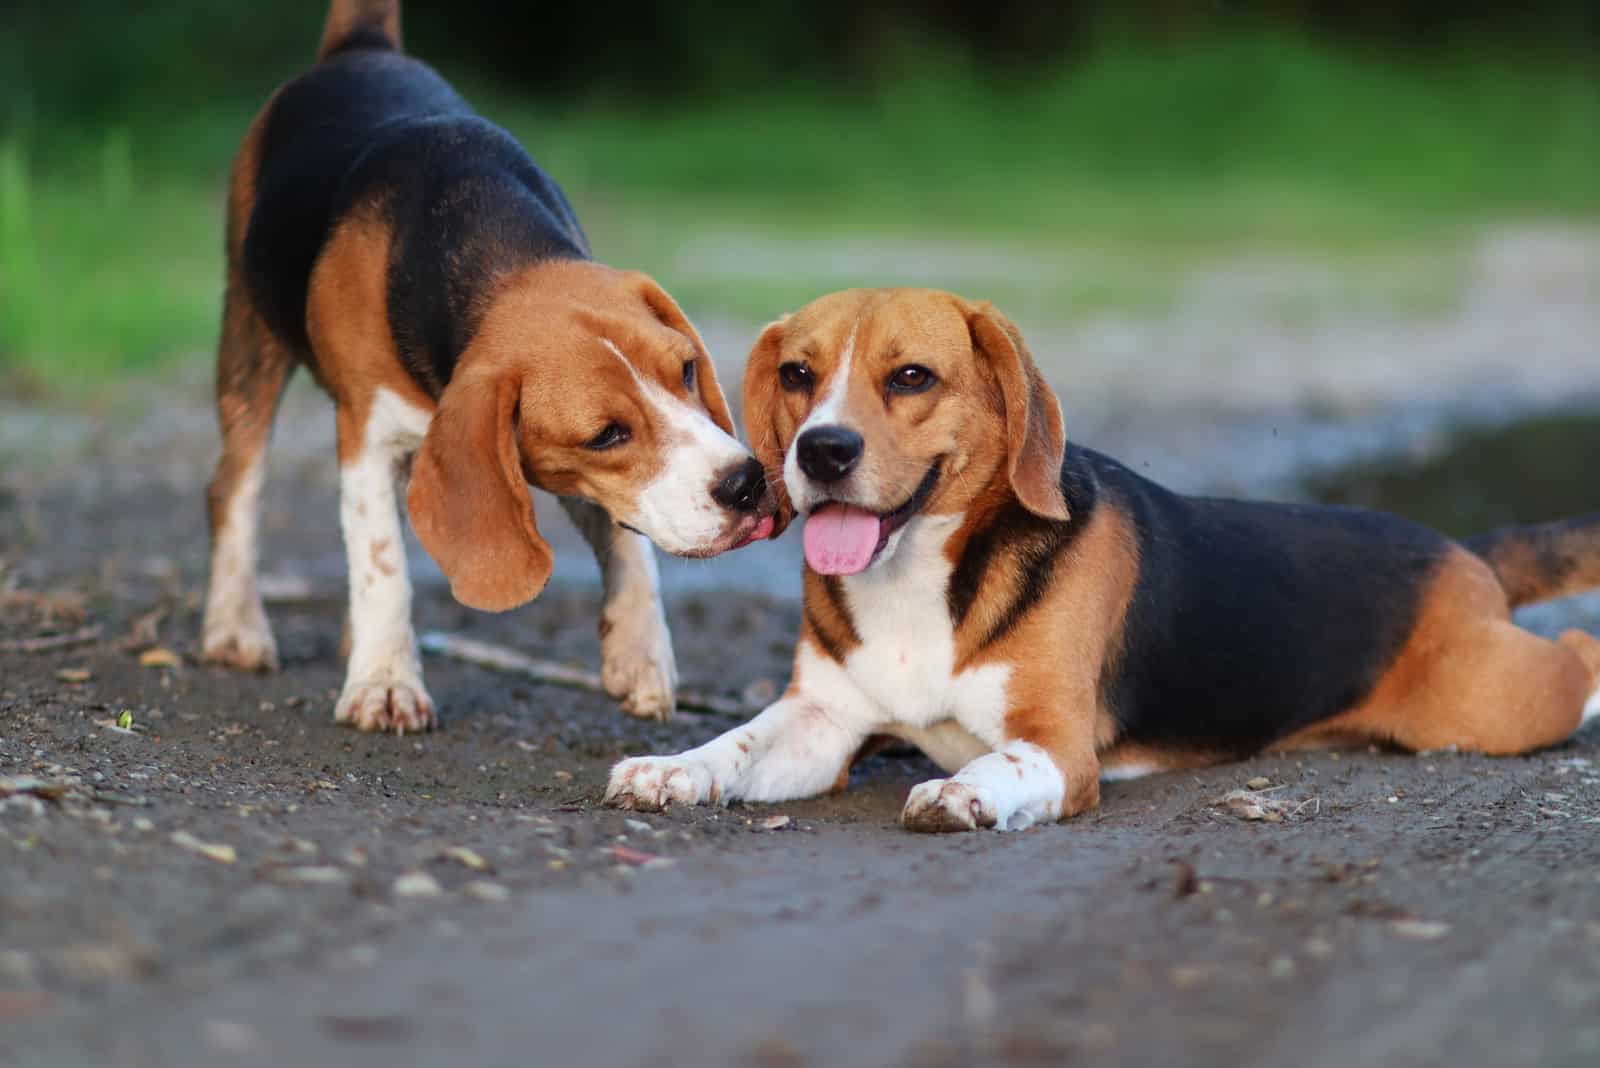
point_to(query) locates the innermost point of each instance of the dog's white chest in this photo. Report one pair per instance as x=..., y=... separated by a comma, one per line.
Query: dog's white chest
x=905, y=664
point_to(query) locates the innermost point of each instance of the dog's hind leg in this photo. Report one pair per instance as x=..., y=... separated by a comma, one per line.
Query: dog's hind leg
x=252, y=369
x=1587, y=646
x=1471, y=679
x=637, y=664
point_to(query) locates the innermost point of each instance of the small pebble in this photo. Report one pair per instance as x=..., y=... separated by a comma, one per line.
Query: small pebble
x=1420, y=930
x=1319, y=948
x=417, y=884
x=484, y=890
x=230, y=1036
x=315, y=875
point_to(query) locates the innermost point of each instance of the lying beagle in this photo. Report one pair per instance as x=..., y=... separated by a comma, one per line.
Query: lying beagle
x=437, y=285
x=1037, y=618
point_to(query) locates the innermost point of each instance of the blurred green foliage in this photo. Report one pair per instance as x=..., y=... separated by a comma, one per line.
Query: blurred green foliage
x=1060, y=171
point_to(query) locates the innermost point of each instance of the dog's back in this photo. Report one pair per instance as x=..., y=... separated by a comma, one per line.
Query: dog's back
x=371, y=128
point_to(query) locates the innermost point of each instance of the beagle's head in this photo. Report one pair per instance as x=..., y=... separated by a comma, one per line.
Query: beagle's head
x=585, y=382
x=871, y=407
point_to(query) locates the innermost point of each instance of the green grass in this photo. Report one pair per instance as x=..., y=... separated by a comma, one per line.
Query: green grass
x=1102, y=187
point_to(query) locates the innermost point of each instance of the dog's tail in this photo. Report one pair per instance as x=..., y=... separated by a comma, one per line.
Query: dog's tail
x=356, y=24
x=1543, y=562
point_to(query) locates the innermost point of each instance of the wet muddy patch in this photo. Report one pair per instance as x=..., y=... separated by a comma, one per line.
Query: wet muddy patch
x=1470, y=480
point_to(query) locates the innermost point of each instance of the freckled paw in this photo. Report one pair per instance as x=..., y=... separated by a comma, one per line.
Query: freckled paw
x=942, y=805
x=640, y=673
x=247, y=646
x=386, y=704
x=650, y=784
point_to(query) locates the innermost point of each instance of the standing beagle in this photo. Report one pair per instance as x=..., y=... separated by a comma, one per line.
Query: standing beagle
x=437, y=285
x=1036, y=617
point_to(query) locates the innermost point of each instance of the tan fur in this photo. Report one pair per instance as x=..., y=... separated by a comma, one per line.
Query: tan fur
x=347, y=321
x=961, y=422
x=347, y=16
x=1035, y=437
x=767, y=423
x=1057, y=652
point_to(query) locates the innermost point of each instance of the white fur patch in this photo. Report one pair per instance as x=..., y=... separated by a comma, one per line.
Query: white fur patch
x=1124, y=772
x=948, y=744
x=1591, y=708
x=1010, y=789
x=675, y=509
x=792, y=749
x=905, y=664
x=383, y=682
x=236, y=630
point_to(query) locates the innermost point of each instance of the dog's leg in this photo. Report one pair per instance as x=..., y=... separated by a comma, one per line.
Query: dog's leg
x=1013, y=788
x=636, y=662
x=793, y=749
x=252, y=369
x=383, y=680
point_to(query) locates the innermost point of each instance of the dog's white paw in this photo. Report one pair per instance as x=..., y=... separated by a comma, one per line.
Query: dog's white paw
x=637, y=666
x=948, y=805
x=650, y=784
x=239, y=637
x=378, y=703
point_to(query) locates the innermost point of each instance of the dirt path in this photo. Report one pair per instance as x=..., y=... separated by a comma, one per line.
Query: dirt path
x=458, y=898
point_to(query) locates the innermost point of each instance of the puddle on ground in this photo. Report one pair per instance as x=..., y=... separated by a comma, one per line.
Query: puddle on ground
x=1474, y=480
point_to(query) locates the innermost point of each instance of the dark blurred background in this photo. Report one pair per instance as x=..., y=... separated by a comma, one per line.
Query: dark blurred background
x=1071, y=158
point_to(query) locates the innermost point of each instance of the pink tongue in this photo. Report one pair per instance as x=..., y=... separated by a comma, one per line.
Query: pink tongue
x=840, y=539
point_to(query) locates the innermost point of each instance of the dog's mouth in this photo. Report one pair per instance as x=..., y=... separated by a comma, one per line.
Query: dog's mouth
x=759, y=529
x=843, y=539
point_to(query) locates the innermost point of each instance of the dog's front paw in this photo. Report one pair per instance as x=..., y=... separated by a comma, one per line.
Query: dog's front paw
x=637, y=666
x=940, y=805
x=380, y=703
x=650, y=784
x=239, y=639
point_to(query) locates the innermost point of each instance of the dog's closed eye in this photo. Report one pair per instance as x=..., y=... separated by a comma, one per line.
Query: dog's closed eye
x=613, y=435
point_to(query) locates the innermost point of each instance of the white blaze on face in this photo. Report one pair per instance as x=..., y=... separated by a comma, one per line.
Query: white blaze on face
x=675, y=509
x=805, y=495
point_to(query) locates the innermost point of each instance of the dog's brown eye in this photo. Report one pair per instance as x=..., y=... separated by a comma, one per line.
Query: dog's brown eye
x=796, y=376
x=912, y=378
x=688, y=375
x=613, y=435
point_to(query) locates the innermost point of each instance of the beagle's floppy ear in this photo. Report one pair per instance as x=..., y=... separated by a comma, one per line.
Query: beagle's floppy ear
x=1035, y=439
x=468, y=499
x=761, y=415
x=666, y=310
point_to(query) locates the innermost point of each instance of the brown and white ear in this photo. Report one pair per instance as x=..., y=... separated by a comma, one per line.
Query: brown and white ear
x=666, y=310
x=1035, y=439
x=469, y=501
x=761, y=391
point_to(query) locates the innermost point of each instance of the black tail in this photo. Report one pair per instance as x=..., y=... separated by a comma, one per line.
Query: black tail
x=1541, y=563
x=360, y=24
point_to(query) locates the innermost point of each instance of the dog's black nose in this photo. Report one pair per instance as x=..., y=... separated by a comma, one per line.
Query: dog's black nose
x=828, y=453
x=742, y=490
